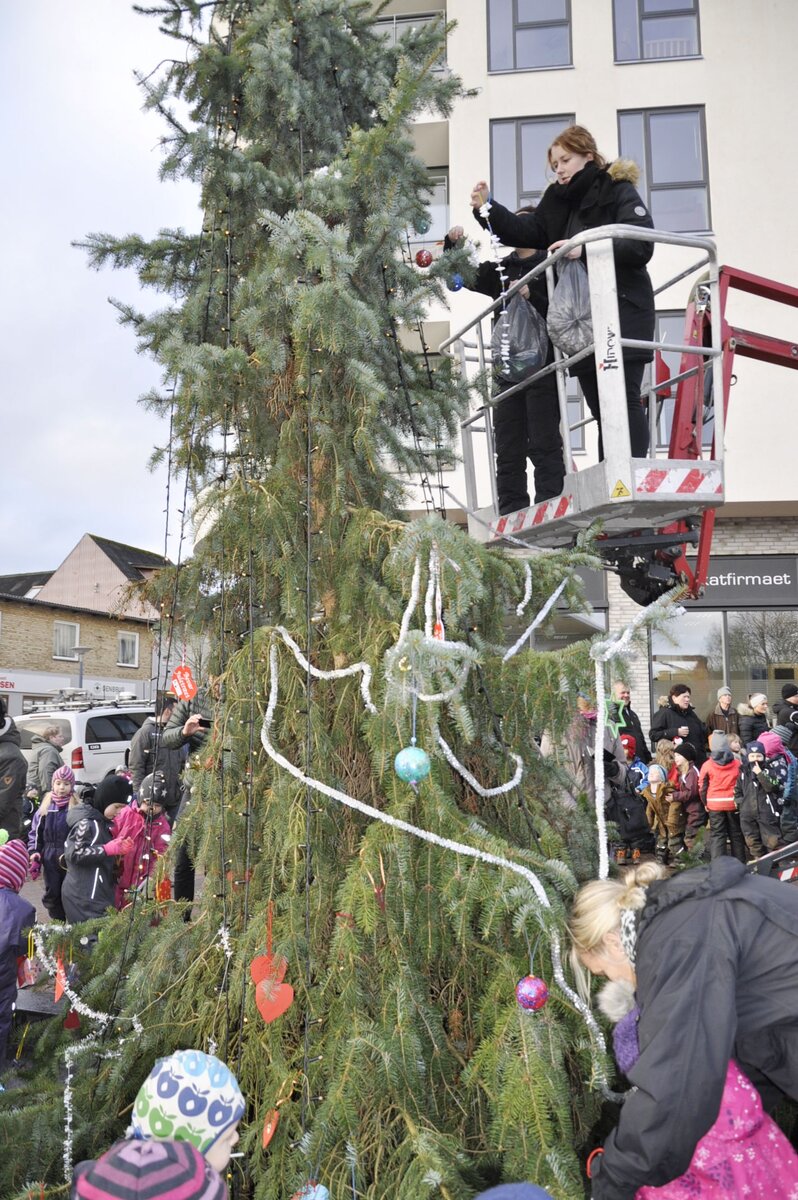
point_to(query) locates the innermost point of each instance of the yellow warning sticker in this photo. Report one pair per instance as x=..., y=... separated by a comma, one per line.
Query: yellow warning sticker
x=620, y=490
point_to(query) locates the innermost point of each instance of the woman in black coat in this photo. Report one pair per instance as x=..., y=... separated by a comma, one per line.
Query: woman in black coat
x=678, y=720
x=753, y=717
x=589, y=193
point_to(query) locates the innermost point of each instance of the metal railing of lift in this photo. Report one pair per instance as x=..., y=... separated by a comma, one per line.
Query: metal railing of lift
x=561, y=364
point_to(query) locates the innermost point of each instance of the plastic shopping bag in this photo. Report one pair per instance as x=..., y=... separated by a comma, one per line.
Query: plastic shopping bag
x=520, y=343
x=569, y=324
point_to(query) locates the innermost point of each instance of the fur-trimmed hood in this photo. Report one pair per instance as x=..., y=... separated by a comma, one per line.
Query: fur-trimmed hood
x=744, y=709
x=616, y=999
x=624, y=169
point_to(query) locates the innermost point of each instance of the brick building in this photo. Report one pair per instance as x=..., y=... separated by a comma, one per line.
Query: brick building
x=81, y=625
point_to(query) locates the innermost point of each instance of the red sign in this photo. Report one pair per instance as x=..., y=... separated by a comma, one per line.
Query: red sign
x=182, y=683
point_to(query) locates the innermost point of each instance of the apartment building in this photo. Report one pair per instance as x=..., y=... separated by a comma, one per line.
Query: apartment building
x=699, y=93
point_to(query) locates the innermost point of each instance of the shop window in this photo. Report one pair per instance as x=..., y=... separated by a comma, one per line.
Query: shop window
x=66, y=635
x=655, y=29
x=689, y=648
x=670, y=328
x=127, y=654
x=528, y=35
x=762, y=650
x=518, y=157
x=669, y=146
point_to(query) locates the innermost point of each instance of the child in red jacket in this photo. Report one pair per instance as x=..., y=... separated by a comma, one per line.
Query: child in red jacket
x=717, y=781
x=145, y=823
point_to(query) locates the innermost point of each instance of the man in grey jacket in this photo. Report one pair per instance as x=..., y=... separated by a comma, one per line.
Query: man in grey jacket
x=47, y=747
x=149, y=754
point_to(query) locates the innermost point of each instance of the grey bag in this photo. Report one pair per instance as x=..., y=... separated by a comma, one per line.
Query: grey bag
x=520, y=343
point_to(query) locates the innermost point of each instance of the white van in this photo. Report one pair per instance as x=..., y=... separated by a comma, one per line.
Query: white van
x=98, y=732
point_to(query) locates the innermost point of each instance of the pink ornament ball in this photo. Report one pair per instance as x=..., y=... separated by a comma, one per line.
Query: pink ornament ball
x=423, y=258
x=531, y=992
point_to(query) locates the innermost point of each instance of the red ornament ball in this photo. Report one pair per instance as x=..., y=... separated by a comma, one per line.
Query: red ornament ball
x=423, y=258
x=531, y=992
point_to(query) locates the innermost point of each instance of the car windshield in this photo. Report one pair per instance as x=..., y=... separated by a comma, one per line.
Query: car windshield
x=30, y=726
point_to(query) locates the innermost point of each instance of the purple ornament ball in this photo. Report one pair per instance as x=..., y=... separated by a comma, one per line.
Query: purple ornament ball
x=531, y=992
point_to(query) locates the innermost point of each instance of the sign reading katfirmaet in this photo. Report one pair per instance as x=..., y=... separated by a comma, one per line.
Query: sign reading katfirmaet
x=751, y=581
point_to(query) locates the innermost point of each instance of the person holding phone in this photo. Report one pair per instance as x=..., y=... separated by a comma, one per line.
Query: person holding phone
x=187, y=729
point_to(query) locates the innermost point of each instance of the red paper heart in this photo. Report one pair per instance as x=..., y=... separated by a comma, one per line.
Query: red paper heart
x=268, y=966
x=273, y=999
x=270, y=1126
x=72, y=1020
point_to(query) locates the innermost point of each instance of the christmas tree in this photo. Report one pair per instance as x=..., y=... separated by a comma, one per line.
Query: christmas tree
x=402, y=1066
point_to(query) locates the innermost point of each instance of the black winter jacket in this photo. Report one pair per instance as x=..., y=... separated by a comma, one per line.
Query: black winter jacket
x=628, y=721
x=593, y=197
x=751, y=724
x=90, y=882
x=13, y=769
x=717, y=976
x=668, y=721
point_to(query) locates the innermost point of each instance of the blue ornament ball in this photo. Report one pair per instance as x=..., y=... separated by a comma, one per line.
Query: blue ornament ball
x=422, y=226
x=455, y=283
x=412, y=764
x=531, y=992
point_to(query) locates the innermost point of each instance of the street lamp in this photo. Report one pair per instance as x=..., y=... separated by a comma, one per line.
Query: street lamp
x=81, y=652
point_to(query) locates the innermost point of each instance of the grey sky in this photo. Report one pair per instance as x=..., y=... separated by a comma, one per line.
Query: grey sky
x=79, y=156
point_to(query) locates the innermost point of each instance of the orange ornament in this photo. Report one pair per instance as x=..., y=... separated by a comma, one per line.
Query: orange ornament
x=270, y=1126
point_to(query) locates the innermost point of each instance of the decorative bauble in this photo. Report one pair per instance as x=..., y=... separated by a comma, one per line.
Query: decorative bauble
x=412, y=764
x=455, y=283
x=422, y=226
x=312, y=1191
x=531, y=992
x=423, y=258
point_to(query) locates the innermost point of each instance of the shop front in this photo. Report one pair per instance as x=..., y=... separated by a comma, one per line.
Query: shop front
x=743, y=632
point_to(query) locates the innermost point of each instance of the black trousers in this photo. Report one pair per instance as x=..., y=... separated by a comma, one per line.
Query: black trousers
x=638, y=421
x=527, y=426
x=722, y=826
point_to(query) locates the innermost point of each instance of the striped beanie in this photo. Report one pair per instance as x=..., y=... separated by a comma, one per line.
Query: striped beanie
x=156, y=1170
x=13, y=864
x=65, y=775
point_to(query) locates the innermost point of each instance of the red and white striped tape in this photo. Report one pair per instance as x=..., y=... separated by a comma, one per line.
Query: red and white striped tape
x=536, y=514
x=679, y=481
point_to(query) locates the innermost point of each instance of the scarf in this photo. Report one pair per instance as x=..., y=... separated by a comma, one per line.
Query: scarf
x=573, y=192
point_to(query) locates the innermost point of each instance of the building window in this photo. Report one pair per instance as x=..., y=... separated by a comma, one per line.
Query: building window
x=518, y=157
x=670, y=328
x=127, y=650
x=66, y=636
x=528, y=35
x=393, y=29
x=438, y=201
x=651, y=29
x=669, y=146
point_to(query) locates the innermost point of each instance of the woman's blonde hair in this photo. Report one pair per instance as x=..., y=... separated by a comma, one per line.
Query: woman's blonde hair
x=596, y=911
x=578, y=140
x=663, y=753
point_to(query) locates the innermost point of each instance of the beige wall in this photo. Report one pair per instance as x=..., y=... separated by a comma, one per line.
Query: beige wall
x=87, y=578
x=745, y=81
x=26, y=642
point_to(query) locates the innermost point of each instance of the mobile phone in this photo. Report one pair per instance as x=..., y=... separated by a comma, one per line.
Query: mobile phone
x=204, y=723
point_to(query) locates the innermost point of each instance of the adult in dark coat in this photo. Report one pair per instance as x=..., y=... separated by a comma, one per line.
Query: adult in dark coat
x=679, y=721
x=16, y=916
x=148, y=755
x=90, y=885
x=786, y=716
x=713, y=954
x=186, y=732
x=753, y=717
x=623, y=715
x=527, y=424
x=589, y=193
x=13, y=769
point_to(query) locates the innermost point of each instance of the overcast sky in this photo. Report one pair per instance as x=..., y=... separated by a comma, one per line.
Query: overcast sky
x=79, y=156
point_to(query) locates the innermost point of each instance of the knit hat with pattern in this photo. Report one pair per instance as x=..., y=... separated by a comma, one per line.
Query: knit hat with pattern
x=190, y=1096
x=13, y=864
x=162, y=1170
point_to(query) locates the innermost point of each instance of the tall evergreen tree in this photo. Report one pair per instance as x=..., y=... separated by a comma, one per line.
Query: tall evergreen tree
x=405, y=1067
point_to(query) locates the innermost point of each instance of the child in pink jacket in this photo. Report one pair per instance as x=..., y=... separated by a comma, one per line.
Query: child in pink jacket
x=145, y=823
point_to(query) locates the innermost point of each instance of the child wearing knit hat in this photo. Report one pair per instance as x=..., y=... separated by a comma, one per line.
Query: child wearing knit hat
x=47, y=838
x=131, y=1170
x=191, y=1097
x=16, y=916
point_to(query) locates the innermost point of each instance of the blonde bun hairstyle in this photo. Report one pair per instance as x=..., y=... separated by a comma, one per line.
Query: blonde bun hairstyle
x=596, y=911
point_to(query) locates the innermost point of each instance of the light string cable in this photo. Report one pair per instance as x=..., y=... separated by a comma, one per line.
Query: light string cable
x=171, y=616
x=601, y=652
x=504, y=317
x=446, y=844
x=438, y=452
